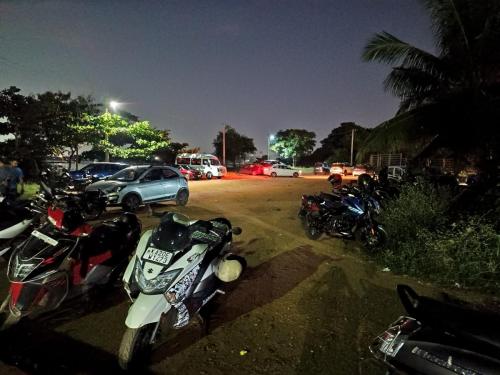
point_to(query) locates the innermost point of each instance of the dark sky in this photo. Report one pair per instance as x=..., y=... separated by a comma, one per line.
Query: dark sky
x=190, y=66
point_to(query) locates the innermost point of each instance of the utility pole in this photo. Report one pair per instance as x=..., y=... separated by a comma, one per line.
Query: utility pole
x=224, y=145
x=352, y=145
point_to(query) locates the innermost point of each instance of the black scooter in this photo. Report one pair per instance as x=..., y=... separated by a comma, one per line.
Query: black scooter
x=439, y=338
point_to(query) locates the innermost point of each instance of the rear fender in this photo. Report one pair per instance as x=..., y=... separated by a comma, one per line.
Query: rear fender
x=146, y=309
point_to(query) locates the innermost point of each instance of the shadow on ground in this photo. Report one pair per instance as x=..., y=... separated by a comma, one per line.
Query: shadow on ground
x=35, y=347
x=350, y=322
x=257, y=287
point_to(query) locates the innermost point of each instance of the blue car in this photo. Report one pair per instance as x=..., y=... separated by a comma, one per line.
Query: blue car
x=97, y=171
x=143, y=184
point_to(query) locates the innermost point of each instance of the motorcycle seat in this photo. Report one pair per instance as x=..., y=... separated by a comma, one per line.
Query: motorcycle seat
x=332, y=201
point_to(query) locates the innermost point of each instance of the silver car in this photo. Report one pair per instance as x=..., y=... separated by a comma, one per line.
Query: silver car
x=137, y=185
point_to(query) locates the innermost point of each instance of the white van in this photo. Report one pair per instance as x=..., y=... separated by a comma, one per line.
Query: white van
x=208, y=165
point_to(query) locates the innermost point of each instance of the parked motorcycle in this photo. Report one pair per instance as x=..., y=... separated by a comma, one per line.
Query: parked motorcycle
x=347, y=212
x=91, y=203
x=17, y=219
x=65, y=258
x=439, y=338
x=178, y=268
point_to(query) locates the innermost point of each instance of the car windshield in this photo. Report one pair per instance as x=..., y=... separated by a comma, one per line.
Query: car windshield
x=214, y=162
x=128, y=174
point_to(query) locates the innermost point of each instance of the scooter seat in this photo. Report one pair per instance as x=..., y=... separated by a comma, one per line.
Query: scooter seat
x=479, y=328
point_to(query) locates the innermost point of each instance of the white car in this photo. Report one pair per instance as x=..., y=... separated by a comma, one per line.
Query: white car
x=282, y=170
x=395, y=172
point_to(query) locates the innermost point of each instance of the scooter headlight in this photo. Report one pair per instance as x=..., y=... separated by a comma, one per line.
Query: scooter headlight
x=157, y=285
x=18, y=270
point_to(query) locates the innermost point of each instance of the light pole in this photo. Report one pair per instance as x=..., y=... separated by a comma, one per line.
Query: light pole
x=269, y=140
x=113, y=104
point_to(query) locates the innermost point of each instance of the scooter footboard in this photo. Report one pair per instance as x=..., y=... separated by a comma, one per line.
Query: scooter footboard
x=146, y=309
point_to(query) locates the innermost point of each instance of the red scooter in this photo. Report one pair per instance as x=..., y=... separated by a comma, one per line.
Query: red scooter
x=66, y=258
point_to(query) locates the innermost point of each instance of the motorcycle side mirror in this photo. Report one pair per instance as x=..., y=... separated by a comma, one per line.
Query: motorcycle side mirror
x=237, y=231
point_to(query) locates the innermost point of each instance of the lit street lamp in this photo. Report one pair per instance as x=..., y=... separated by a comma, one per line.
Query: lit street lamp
x=269, y=140
x=113, y=104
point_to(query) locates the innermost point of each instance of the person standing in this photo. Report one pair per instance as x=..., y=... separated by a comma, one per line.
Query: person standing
x=16, y=177
x=4, y=178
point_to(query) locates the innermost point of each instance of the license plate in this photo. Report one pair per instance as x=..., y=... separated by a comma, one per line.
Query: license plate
x=44, y=238
x=157, y=256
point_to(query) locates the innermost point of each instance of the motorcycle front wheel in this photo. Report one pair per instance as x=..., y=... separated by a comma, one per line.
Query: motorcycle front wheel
x=373, y=237
x=10, y=321
x=136, y=347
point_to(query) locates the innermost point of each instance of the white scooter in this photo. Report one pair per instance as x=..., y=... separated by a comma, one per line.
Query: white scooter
x=16, y=220
x=177, y=268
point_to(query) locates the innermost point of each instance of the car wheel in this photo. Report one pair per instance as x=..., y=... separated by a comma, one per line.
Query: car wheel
x=295, y=174
x=273, y=174
x=209, y=175
x=219, y=177
x=131, y=203
x=182, y=197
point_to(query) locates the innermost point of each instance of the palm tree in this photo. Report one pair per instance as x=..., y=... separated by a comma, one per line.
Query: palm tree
x=461, y=81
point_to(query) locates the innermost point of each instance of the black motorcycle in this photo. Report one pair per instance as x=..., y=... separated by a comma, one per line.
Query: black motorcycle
x=346, y=213
x=91, y=203
x=439, y=338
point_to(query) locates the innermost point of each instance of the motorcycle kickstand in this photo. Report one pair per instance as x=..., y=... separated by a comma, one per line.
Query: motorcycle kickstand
x=203, y=324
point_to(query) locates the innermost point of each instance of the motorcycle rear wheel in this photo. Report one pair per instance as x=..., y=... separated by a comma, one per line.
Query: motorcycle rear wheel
x=312, y=232
x=136, y=347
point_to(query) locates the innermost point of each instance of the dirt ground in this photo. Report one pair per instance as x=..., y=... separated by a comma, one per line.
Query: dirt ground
x=301, y=307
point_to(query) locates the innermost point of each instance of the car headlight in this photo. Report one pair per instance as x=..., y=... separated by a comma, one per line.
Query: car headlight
x=157, y=285
x=117, y=189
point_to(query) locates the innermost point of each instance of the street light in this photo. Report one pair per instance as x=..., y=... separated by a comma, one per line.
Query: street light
x=114, y=105
x=269, y=140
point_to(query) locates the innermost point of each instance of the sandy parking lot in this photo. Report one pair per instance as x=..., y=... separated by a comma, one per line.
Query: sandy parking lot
x=301, y=307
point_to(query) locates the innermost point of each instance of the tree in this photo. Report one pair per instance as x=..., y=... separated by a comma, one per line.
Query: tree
x=337, y=145
x=461, y=81
x=73, y=137
x=39, y=124
x=113, y=135
x=237, y=145
x=293, y=143
x=168, y=154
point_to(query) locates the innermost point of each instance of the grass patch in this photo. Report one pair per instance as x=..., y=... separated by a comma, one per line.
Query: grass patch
x=424, y=241
x=30, y=190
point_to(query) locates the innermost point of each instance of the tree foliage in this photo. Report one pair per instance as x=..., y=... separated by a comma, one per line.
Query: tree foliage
x=38, y=124
x=237, y=145
x=294, y=143
x=113, y=134
x=337, y=145
x=460, y=80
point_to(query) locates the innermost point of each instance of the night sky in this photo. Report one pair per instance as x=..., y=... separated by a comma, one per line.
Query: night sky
x=190, y=66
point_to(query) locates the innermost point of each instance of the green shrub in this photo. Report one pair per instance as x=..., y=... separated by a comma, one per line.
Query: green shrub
x=424, y=242
x=419, y=207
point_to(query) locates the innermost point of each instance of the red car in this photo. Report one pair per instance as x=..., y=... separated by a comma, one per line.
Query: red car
x=187, y=172
x=253, y=169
